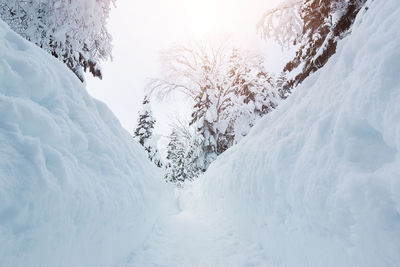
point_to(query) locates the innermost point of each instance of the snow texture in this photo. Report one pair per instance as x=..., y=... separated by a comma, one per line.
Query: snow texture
x=75, y=189
x=283, y=24
x=317, y=182
x=74, y=31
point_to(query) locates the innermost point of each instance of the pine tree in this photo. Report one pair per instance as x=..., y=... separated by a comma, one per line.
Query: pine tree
x=231, y=91
x=154, y=155
x=208, y=110
x=184, y=154
x=281, y=83
x=254, y=95
x=175, y=167
x=229, y=103
x=193, y=157
x=324, y=23
x=144, y=131
x=71, y=30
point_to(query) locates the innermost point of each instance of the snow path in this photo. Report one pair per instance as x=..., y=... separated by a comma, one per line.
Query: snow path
x=314, y=184
x=192, y=239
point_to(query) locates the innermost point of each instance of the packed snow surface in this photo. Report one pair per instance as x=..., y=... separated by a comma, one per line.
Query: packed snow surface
x=75, y=189
x=315, y=183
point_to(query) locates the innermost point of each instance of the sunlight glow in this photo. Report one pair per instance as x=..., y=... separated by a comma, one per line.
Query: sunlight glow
x=213, y=17
x=141, y=29
x=206, y=17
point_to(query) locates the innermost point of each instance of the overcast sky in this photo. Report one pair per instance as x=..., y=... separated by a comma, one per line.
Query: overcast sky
x=140, y=29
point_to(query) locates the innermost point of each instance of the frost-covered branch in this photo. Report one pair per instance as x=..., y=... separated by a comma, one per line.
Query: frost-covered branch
x=283, y=24
x=73, y=31
x=183, y=69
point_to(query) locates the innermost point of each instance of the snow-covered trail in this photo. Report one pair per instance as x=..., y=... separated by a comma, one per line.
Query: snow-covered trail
x=316, y=183
x=190, y=238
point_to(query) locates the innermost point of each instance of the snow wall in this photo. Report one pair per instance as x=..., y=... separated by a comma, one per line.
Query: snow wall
x=317, y=182
x=75, y=189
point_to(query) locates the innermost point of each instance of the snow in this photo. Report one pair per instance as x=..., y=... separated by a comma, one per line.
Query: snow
x=283, y=24
x=315, y=183
x=192, y=239
x=75, y=189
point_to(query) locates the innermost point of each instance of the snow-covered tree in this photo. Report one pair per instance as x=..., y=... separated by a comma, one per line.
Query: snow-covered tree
x=209, y=108
x=281, y=83
x=194, y=156
x=170, y=168
x=144, y=131
x=198, y=72
x=154, y=156
x=183, y=161
x=312, y=26
x=254, y=92
x=73, y=31
x=283, y=24
x=175, y=169
x=229, y=88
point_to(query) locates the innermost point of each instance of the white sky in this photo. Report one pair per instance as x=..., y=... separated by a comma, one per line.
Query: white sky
x=140, y=29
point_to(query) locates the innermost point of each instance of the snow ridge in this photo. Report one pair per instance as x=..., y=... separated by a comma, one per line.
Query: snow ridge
x=73, y=183
x=317, y=182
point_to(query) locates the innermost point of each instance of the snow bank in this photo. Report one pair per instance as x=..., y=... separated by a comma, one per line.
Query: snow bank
x=75, y=190
x=317, y=183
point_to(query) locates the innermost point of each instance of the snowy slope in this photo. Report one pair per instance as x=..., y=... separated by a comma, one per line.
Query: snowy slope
x=317, y=183
x=75, y=190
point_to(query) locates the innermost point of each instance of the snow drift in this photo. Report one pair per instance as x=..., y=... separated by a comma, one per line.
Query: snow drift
x=75, y=189
x=317, y=182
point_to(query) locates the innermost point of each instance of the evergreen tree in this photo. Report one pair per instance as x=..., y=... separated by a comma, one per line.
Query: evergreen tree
x=230, y=92
x=144, y=131
x=324, y=23
x=254, y=93
x=206, y=114
x=193, y=157
x=183, y=154
x=154, y=155
x=281, y=84
x=73, y=31
x=175, y=167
